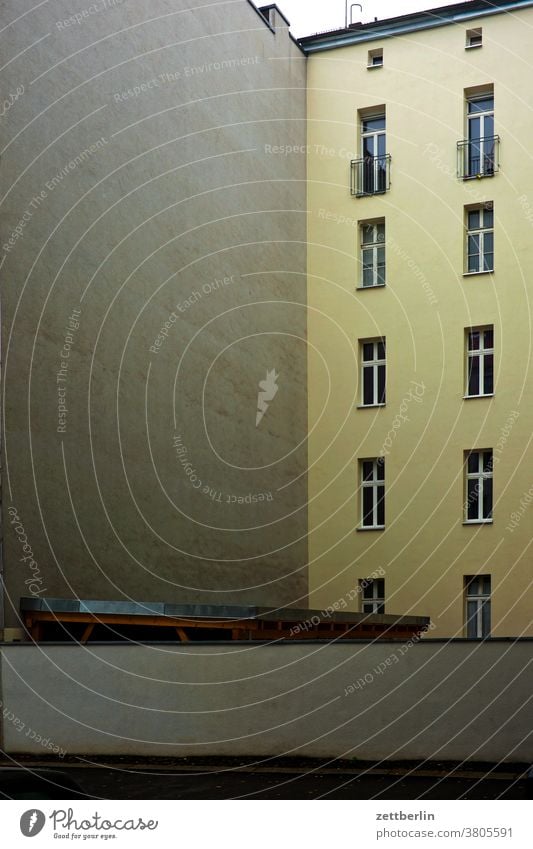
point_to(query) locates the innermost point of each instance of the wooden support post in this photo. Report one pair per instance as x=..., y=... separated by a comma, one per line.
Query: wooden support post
x=87, y=633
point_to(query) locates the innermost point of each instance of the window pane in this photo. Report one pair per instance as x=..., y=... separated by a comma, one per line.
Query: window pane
x=473, y=253
x=482, y=104
x=380, y=587
x=368, y=385
x=488, y=130
x=473, y=340
x=380, y=608
x=368, y=147
x=485, y=619
x=368, y=268
x=474, y=127
x=381, y=505
x=488, y=338
x=488, y=262
x=381, y=350
x=367, y=588
x=473, y=219
x=472, y=499
x=380, y=232
x=367, y=234
x=487, y=498
x=380, y=468
x=488, y=242
x=485, y=584
x=473, y=462
x=368, y=351
x=381, y=385
x=373, y=124
x=471, y=615
x=487, y=461
x=381, y=264
x=488, y=218
x=368, y=607
x=488, y=377
x=473, y=376
x=368, y=504
x=472, y=587
x=368, y=470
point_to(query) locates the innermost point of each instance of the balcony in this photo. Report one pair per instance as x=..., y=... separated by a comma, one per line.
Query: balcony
x=478, y=157
x=370, y=175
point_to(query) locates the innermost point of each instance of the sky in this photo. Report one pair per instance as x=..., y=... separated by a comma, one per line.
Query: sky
x=310, y=16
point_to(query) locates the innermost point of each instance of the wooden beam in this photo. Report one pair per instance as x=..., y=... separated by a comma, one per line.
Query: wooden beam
x=87, y=633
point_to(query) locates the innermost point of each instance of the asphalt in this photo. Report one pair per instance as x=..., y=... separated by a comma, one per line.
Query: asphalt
x=284, y=779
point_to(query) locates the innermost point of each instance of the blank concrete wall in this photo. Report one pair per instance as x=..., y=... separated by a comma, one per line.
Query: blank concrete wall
x=452, y=700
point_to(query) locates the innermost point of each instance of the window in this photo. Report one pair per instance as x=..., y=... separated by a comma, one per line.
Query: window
x=370, y=175
x=477, y=606
x=373, y=151
x=479, y=361
x=480, y=239
x=478, y=506
x=373, y=493
x=481, y=138
x=373, y=367
x=372, y=234
x=375, y=58
x=373, y=595
x=474, y=38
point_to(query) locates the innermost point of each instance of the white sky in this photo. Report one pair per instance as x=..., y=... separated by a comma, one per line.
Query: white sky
x=310, y=16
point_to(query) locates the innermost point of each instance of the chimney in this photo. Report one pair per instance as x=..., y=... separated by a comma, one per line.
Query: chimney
x=274, y=17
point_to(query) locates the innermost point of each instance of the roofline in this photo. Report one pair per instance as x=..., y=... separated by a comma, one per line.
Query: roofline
x=392, y=27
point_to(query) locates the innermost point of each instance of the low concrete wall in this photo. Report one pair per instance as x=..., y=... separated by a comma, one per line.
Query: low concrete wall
x=445, y=700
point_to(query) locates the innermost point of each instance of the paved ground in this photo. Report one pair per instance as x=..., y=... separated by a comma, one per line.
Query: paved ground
x=283, y=780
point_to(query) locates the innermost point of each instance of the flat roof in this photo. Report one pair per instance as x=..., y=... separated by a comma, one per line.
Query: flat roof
x=229, y=612
x=413, y=22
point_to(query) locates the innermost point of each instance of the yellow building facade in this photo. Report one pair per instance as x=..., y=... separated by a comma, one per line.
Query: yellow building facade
x=420, y=284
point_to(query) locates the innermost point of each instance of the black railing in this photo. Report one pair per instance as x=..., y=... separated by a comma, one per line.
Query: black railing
x=478, y=157
x=370, y=175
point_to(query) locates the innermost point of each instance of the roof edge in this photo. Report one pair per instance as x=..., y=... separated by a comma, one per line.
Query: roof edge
x=391, y=27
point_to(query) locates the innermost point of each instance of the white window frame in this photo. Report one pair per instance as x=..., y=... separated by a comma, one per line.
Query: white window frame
x=374, y=365
x=482, y=116
x=483, y=600
x=374, y=246
x=480, y=353
x=371, y=603
x=375, y=58
x=481, y=478
x=480, y=232
x=374, y=173
x=474, y=38
x=376, y=484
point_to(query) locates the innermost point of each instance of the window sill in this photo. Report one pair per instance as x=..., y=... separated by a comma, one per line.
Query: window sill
x=477, y=522
x=364, y=288
x=470, y=397
x=371, y=528
x=369, y=406
x=477, y=273
x=473, y=46
x=373, y=67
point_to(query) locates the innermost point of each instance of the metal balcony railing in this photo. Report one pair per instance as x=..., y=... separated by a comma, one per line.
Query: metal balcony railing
x=478, y=157
x=370, y=175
